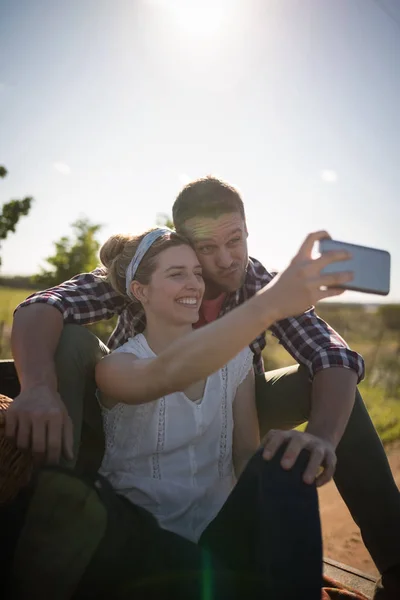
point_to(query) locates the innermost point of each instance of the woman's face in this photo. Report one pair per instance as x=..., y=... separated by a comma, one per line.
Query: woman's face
x=176, y=287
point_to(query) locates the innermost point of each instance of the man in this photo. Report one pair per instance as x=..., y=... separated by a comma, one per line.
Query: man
x=55, y=363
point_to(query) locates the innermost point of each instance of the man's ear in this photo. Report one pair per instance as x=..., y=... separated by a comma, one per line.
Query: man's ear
x=245, y=230
x=139, y=291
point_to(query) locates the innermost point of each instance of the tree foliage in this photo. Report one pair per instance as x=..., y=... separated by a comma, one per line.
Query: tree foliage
x=164, y=220
x=72, y=255
x=12, y=211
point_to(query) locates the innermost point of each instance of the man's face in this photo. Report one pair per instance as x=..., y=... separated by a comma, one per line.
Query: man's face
x=221, y=247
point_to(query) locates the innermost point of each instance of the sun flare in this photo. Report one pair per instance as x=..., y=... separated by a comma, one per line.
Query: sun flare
x=199, y=17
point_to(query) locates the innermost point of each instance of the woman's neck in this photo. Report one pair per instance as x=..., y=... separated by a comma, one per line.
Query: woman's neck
x=160, y=335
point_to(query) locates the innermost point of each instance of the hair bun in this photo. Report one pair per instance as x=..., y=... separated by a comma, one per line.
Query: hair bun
x=112, y=248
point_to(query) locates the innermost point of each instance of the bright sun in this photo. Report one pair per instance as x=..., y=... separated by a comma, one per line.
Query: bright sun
x=199, y=17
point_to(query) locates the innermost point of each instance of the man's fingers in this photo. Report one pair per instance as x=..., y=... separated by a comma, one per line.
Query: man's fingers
x=274, y=440
x=322, y=461
x=328, y=472
x=39, y=435
x=54, y=438
x=291, y=454
x=316, y=460
x=23, y=432
x=35, y=421
x=68, y=438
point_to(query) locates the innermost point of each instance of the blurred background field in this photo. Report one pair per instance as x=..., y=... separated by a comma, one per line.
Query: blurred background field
x=373, y=331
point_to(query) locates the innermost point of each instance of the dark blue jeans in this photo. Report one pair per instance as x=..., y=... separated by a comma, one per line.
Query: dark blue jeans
x=265, y=543
x=268, y=532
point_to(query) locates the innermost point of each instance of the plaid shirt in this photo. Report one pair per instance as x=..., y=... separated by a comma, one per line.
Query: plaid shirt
x=89, y=297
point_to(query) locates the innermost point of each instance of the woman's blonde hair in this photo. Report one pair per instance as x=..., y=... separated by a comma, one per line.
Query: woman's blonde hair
x=117, y=252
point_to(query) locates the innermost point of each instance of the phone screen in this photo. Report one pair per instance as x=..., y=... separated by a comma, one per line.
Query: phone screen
x=370, y=266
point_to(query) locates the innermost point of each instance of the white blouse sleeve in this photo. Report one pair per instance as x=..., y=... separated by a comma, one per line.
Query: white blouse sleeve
x=127, y=347
x=240, y=367
x=109, y=413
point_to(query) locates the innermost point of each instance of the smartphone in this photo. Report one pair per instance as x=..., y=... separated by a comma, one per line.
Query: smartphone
x=370, y=266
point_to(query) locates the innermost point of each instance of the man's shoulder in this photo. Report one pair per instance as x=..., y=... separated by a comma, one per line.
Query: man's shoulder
x=98, y=274
x=81, y=286
x=90, y=279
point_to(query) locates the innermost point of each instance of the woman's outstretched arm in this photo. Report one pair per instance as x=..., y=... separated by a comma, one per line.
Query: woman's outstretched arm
x=197, y=355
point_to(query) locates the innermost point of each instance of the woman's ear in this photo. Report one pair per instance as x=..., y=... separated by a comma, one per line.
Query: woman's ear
x=139, y=291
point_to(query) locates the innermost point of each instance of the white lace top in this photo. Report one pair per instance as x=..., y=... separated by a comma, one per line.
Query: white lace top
x=173, y=456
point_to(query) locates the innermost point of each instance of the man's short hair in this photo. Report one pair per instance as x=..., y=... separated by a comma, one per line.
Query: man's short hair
x=206, y=197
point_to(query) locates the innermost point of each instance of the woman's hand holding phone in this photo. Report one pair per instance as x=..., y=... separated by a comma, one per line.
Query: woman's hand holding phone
x=301, y=284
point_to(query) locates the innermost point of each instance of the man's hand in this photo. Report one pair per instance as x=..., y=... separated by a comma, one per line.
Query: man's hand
x=38, y=419
x=322, y=453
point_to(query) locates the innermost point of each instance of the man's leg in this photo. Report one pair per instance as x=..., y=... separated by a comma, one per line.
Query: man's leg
x=77, y=353
x=363, y=476
x=81, y=540
x=76, y=356
x=283, y=398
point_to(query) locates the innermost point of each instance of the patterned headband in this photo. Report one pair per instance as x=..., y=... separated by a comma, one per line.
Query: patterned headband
x=141, y=250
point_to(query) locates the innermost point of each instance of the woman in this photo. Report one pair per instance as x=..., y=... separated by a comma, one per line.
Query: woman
x=188, y=481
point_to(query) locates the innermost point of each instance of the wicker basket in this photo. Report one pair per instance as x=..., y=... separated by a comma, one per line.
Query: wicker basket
x=16, y=466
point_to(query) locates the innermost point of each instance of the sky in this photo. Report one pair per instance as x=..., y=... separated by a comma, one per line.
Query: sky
x=108, y=107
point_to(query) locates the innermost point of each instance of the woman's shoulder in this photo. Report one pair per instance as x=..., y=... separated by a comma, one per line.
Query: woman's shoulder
x=239, y=366
x=243, y=357
x=136, y=345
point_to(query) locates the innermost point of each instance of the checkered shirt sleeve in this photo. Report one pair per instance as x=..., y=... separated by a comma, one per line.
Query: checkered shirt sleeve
x=86, y=298
x=307, y=338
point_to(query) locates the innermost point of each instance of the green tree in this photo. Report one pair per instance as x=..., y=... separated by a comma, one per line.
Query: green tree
x=73, y=255
x=12, y=211
x=164, y=220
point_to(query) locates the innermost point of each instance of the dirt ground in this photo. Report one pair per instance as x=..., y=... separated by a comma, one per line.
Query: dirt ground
x=342, y=539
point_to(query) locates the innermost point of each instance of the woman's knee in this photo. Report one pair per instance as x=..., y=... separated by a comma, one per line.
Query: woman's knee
x=273, y=469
